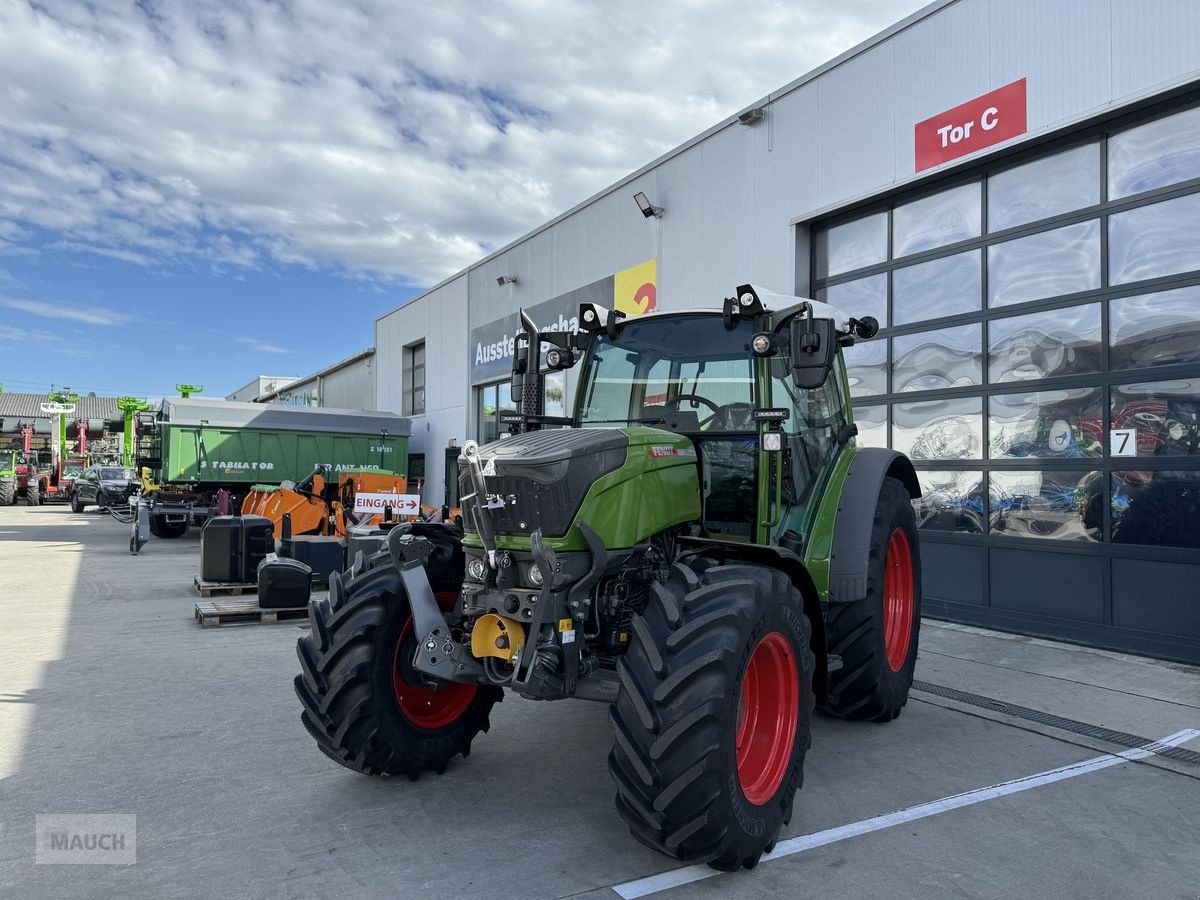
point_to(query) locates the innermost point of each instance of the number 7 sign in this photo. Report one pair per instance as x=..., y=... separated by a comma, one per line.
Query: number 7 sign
x=1122, y=442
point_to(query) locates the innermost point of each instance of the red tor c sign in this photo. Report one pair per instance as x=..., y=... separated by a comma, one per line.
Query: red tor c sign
x=996, y=116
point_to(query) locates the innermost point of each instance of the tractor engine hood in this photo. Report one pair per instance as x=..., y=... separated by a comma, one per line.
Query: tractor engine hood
x=539, y=480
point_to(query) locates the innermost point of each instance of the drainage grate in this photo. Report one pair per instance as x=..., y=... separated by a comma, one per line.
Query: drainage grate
x=1120, y=738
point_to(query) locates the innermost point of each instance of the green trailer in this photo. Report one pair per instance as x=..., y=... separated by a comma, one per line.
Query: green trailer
x=197, y=457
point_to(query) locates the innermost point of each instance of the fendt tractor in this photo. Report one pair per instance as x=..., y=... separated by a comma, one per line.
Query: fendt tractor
x=701, y=544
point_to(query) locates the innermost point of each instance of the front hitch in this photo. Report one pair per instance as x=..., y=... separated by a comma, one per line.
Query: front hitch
x=438, y=654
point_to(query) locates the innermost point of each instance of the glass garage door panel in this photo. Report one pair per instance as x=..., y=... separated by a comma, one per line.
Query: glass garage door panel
x=1066, y=424
x=1054, y=505
x=1047, y=264
x=932, y=360
x=939, y=429
x=1045, y=187
x=1155, y=240
x=941, y=287
x=1045, y=345
x=1157, y=154
x=1160, y=509
x=844, y=248
x=950, y=501
x=937, y=220
x=1163, y=415
x=1155, y=329
x=866, y=368
x=859, y=298
x=872, y=422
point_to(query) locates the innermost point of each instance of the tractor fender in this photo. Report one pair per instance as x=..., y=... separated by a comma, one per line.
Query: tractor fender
x=855, y=515
x=797, y=572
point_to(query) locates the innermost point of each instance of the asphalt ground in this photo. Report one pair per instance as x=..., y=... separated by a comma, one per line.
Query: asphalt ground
x=114, y=701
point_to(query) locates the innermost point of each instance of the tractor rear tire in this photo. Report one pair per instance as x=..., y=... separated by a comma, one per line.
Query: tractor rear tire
x=160, y=527
x=33, y=494
x=8, y=492
x=362, y=701
x=714, y=714
x=877, y=637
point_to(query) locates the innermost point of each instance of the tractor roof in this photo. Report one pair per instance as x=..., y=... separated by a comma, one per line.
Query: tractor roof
x=771, y=301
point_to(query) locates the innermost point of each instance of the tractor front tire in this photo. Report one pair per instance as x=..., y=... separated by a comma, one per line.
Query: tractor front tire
x=363, y=702
x=160, y=527
x=877, y=636
x=33, y=494
x=714, y=714
x=8, y=492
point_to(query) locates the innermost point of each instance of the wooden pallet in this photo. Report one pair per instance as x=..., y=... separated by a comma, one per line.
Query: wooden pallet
x=223, y=588
x=244, y=612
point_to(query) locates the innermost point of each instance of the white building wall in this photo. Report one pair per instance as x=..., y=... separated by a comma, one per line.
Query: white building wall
x=838, y=135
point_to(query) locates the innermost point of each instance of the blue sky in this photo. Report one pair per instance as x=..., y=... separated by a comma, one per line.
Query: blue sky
x=207, y=190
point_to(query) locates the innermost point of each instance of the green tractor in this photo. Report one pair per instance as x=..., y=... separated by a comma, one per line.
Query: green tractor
x=701, y=544
x=19, y=477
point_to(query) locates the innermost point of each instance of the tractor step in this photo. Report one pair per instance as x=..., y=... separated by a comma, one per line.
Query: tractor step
x=223, y=588
x=244, y=612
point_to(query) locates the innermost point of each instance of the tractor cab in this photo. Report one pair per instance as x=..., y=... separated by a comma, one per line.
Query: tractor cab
x=755, y=431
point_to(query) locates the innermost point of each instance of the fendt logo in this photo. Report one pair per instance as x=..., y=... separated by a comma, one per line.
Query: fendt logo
x=982, y=122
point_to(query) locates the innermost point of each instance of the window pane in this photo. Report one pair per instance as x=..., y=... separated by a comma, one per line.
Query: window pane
x=1155, y=329
x=937, y=220
x=860, y=298
x=1050, y=424
x=1164, y=414
x=932, y=360
x=872, y=425
x=1157, y=508
x=940, y=287
x=1158, y=153
x=939, y=429
x=950, y=501
x=1062, y=342
x=1045, y=187
x=866, y=368
x=853, y=245
x=1156, y=240
x=1048, y=264
x=556, y=393
x=1061, y=505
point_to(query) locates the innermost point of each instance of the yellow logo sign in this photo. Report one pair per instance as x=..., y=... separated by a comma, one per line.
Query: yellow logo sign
x=634, y=289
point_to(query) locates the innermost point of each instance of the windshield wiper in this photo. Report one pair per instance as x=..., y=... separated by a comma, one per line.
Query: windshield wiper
x=646, y=420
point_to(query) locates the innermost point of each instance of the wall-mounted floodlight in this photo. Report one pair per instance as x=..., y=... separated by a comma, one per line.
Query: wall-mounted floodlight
x=502, y=280
x=649, y=210
x=752, y=116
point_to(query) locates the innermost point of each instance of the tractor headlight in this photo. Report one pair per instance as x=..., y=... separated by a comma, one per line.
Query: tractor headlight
x=477, y=570
x=535, y=575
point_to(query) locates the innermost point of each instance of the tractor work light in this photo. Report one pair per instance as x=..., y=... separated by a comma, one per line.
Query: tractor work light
x=762, y=345
x=772, y=441
x=560, y=358
x=866, y=327
x=594, y=317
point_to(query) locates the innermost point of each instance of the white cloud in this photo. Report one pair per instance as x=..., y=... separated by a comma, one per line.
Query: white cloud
x=88, y=315
x=262, y=346
x=395, y=140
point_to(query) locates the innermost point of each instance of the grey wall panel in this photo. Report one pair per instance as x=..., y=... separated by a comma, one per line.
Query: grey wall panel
x=952, y=573
x=1063, y=49
x=1047, y=583
x=351, y=387
x=1163, y=597
x=1153, y=42
x=938, y=65
x=855, y=126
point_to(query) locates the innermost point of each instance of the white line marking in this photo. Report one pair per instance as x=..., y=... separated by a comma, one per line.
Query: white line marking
x=663, y=881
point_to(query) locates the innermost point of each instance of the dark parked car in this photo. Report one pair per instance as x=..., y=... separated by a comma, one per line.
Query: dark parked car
x=103, y=486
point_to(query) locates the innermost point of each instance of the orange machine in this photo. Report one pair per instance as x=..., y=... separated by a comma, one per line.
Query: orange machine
x=318, y=507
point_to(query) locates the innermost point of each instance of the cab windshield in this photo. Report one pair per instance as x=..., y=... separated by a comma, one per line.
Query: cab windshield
x=686, y=373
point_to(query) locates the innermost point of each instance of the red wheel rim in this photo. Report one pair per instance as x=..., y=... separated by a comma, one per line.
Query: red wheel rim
x=421, y=706
x=897, y=600
x=766, y=729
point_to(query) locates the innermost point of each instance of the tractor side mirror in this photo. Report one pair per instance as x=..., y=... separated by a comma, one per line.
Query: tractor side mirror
x=814, y=348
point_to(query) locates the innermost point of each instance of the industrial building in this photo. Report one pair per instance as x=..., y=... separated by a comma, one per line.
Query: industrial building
x=1012, y=188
